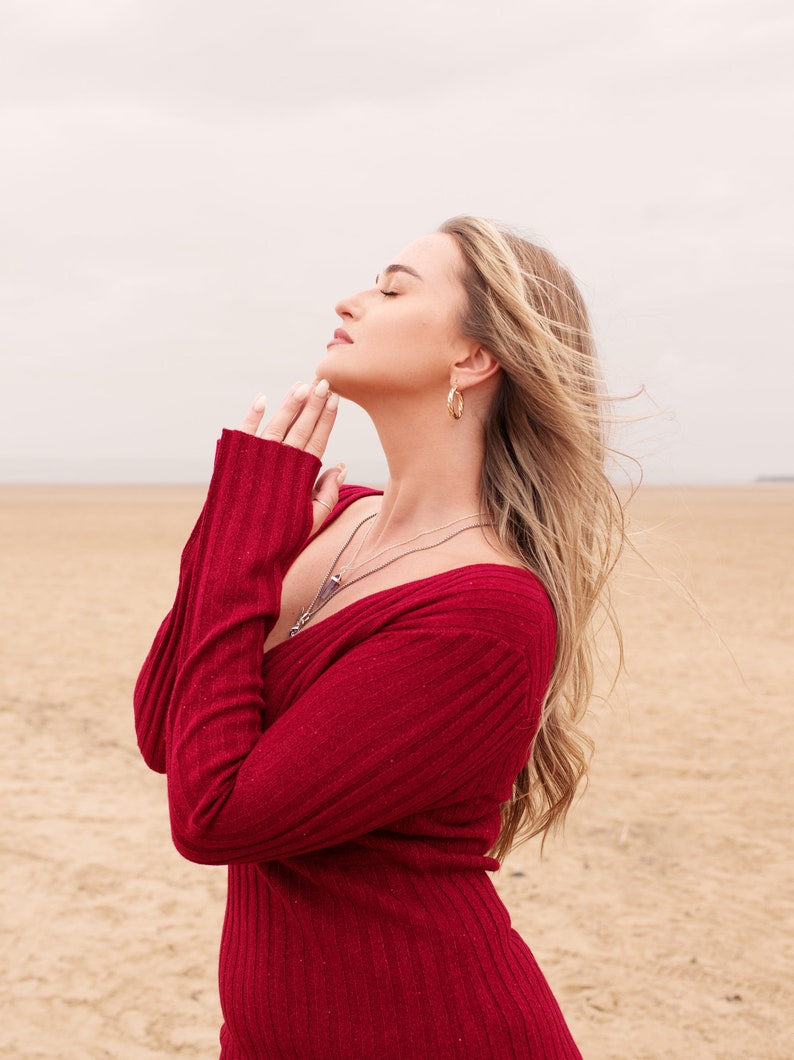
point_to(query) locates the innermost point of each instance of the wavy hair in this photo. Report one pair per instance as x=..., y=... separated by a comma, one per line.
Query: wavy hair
x=545, y=487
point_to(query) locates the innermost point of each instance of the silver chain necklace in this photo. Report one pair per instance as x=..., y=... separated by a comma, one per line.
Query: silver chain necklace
x=331, y=585
x=352, y=565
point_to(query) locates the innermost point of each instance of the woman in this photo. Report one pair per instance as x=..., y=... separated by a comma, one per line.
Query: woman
x=426, y=658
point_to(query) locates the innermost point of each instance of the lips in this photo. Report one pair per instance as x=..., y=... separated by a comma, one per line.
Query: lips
x=340, y=336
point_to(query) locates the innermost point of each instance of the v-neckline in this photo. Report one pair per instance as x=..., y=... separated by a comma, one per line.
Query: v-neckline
x=359, y=493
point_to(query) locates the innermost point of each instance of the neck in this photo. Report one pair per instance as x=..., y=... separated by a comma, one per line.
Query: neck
x=435, y=466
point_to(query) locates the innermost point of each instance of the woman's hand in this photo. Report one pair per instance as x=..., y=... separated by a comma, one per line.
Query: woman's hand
x=304, y=420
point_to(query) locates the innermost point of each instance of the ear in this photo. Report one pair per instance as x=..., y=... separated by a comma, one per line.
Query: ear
x=475, y=367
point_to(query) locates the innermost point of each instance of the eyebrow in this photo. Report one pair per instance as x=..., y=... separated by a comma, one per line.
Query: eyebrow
x=399, y=268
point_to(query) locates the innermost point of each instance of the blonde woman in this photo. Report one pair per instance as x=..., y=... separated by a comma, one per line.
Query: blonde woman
x=426, y=658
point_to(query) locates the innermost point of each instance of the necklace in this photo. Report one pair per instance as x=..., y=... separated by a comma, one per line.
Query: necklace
x=331, y=583
x=352, y=565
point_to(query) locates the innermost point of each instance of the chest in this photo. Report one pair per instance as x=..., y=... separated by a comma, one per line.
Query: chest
x=333, y=571
x=308, y=584
x=310, y=573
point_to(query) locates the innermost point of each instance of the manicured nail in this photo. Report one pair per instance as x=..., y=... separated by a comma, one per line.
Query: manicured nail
x=259, y=404
x=302, y=392
x=332, y=402
x=322, y=388
x=340, y=478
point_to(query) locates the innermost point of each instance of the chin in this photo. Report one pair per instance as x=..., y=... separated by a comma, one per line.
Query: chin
x=331, y=369
x=324, y=369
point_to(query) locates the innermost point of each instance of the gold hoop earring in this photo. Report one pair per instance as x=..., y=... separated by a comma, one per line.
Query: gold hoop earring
x=455, y=403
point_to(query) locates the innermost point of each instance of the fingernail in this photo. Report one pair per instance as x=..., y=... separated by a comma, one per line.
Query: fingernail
x=302, y=392
x=259, y=403
x=340, y=478
x=322, y=388
x=332, y=402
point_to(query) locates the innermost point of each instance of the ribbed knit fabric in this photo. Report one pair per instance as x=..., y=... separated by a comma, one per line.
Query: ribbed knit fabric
x=351, y=778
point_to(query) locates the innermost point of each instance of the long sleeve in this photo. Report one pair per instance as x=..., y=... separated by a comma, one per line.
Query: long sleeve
x=400, y=725
x=264, y=488
x=156, y=680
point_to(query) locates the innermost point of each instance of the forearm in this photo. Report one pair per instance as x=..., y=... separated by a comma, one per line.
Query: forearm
x=155, y=681
x=252, y=524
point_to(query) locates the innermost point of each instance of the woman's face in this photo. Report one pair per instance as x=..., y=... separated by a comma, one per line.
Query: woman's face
x=403, y=334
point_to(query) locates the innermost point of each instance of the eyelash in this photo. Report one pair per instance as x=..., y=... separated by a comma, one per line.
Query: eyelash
x=388, y=294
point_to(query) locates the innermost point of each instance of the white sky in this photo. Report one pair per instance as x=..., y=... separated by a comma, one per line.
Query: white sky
x=188, y=187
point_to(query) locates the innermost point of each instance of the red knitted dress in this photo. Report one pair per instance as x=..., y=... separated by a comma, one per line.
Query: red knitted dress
x=351, y=779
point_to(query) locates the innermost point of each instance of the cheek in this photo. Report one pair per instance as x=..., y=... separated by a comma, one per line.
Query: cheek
x=434, y=339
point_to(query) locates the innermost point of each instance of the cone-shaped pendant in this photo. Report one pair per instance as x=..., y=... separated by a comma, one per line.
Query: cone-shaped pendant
x=330, y=587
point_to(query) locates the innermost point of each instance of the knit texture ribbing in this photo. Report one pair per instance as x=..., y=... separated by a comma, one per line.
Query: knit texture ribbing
x=351, y=778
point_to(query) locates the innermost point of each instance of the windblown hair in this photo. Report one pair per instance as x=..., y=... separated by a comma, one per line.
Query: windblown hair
x=545, y=487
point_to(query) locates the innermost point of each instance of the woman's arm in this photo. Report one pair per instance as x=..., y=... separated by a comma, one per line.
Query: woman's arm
x=156, y=680
x=307, y=424
x=276, y=528
x=413, y=718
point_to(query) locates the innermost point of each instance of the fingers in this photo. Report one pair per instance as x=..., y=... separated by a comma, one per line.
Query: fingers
x=287, y=412
x=326, y=494
x=313, y=436
x=305, y=418
x=253, y=416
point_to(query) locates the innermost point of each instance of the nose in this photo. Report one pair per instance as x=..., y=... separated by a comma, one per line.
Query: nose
x=349, y=307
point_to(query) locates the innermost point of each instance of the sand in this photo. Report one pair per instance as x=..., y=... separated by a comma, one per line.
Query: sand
x=663, y=919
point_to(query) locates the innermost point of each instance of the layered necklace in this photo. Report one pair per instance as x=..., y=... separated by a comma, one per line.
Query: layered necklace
x=334, y=583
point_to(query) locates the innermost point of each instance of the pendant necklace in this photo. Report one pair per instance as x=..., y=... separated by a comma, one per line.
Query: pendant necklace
x=332, y=583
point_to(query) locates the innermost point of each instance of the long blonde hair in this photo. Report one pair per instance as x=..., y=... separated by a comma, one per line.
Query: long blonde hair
x=545, y=486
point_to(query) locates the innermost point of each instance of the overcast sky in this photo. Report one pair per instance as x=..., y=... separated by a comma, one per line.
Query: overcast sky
x=187, y=188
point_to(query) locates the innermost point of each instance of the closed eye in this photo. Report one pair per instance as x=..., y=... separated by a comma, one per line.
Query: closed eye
x=388, y=294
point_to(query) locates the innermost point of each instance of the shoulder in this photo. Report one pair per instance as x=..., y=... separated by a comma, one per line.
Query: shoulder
x=501, y=596
x=349, y=494
x=491, y=600
x=488, y=619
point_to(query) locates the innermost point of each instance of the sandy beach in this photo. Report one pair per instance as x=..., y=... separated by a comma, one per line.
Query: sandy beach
x=663, y=919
